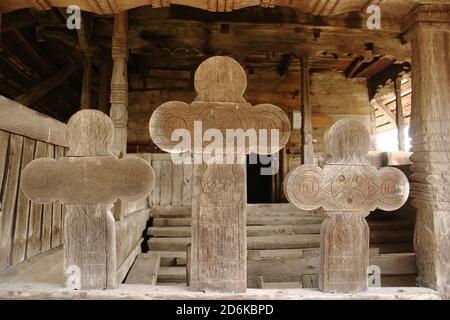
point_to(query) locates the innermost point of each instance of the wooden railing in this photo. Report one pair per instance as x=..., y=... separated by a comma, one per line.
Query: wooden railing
x=26, y=229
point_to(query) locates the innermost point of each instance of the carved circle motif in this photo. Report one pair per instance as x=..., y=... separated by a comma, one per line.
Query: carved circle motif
x=302, y=187
x=394, y=189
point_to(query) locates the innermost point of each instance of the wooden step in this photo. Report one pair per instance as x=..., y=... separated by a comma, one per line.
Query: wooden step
x=400, y=247
x=282, y=285
x=253, y=211
x=259, y=231
x=270, y=242
x=145, y=269
x=273, y=270
x=172, y=275
x=172, y=258
x=258, y=221
x=252, y=231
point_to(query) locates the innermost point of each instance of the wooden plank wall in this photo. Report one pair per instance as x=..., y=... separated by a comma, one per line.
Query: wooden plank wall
x=26, y=229
x=173, y=183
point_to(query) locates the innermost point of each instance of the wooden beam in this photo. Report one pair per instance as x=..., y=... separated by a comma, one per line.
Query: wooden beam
x=400, y=119
x=41, y=89
x=85, y=100
x=105, y=82
x=16, y=20
x=24, y=121
x=387, y=112
x=307, y=130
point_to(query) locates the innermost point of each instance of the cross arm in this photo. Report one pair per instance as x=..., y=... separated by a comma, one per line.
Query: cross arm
x=87, y=180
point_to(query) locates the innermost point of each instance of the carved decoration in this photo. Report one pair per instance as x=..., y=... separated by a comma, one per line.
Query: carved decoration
x=347, y=189
x=218, y=257
x=220, y=83
x=429, y=31
x=88, y=181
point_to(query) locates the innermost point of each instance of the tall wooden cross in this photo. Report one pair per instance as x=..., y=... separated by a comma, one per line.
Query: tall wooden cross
x=347, y=188
x=88, y=181
x=219, y=242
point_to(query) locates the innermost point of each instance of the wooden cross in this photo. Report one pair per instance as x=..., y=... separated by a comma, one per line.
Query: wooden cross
x=219, y=242
x=347, y=188
x=88, y=181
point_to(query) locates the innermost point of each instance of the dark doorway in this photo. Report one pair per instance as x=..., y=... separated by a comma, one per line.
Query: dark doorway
x=259, y=186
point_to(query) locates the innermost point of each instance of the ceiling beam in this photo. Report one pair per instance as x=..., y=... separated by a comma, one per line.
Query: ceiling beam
x=41, y=89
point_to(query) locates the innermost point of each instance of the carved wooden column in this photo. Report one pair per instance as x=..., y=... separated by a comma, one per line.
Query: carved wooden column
x=428, y=29
x=307, y=130
x=88, y=181
x=219, y=241
x=347, y=188
x=119, y=83
x=400, y=118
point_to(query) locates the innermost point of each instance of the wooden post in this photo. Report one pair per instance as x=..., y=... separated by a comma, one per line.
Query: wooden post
x=85, y=101
x=373, y=127
x=105, y=76
x=347, y=188
x=119, y=83
x=88, y=181
x=400, y=118
x=428, y=29
x=307, y=130
x=219, y=241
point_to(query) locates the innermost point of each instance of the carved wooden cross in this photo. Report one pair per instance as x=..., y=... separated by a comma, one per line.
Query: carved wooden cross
x=219, y=242
x=88, y=181
x=347, y=188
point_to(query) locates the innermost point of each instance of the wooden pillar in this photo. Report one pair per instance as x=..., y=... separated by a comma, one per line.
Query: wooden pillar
x=400, y=118
x=428, y=29
x=373, y=127
x=307, y=130
x=105, y=76
x=85, y=101
x=119, y=83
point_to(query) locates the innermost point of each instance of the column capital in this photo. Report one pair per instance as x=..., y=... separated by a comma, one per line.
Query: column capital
x=426, y=16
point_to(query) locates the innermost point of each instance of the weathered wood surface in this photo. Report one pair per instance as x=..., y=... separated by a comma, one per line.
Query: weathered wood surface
x=129, y=233
x=220, y=83
x=145, y=269
x=86, y=182
x=347, y=189
x=314, y=7
x=109, y=178
x=41, y=89
x=46, y=267
x=18, y=119
x=119, y=83
x=219, y=190
x=428, y=29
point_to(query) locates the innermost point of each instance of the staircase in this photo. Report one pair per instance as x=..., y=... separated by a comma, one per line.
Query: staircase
x=283, y=246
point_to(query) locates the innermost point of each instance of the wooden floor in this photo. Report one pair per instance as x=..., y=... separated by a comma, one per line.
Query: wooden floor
x=282, y=247
x=181, y=292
